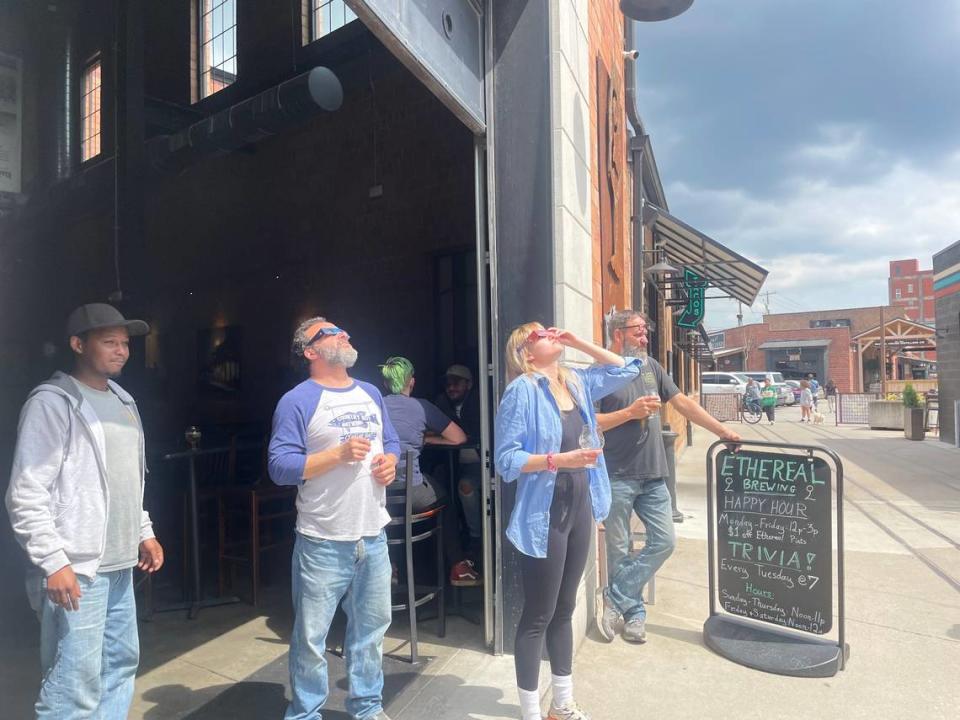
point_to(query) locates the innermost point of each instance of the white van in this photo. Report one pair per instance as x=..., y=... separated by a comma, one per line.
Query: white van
x=722, y=382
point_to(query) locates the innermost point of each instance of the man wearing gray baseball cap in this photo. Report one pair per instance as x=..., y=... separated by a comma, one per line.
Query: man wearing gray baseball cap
x=75, y=501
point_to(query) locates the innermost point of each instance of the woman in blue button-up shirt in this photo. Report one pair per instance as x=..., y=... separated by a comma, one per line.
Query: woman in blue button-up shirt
x=562, y=490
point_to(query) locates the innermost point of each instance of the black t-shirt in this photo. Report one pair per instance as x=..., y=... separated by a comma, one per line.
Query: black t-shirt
x=630, y=451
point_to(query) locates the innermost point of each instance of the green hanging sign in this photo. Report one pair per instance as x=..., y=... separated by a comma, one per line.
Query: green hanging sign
x=696, y=288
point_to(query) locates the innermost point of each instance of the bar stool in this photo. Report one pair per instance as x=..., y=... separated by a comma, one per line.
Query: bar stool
x=400, y=507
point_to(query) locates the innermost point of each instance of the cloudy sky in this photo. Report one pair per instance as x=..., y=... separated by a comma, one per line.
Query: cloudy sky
x=820, y=138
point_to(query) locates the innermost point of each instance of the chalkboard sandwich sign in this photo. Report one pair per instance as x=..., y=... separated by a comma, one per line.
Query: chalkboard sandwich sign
x=772, y=517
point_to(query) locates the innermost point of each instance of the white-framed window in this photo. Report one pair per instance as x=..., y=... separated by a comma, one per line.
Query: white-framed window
x=90, y=97
x=217, y=45
x=897, y=294
x=909, y=288
x=327, y=16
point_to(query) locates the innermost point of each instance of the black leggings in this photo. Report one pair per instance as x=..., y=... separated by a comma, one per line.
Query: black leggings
x=550, y=584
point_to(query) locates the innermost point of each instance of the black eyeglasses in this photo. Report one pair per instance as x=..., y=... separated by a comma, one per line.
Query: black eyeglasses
x=649, y=326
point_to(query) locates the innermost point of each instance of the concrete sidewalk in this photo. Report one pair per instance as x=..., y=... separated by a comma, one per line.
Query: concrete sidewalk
x=902, y=512
x=902, y=515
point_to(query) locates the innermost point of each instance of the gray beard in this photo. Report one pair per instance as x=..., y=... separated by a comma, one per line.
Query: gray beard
x=636, y=351
x=347, y=357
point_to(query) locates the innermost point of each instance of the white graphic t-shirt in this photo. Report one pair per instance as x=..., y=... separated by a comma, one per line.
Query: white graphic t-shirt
x=345, y=503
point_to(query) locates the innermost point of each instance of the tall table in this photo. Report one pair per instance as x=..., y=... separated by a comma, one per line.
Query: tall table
x=197, y=601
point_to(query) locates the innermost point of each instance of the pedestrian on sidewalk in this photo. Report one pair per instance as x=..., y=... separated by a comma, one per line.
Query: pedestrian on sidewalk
x=768, y=400
x=333, y=438
x=814, y=387
x=831, y=389
x=806, y=402
x=547, y=441
x=637, y=463
x=76, y=505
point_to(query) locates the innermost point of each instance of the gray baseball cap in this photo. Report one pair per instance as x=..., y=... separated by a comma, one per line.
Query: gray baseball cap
x=100, y=315
x=459, y=371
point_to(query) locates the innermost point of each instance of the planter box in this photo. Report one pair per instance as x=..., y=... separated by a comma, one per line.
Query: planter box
x=885, y=415
x=914, y=427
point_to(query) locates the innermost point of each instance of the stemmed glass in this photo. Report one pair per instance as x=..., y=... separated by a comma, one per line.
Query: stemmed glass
x=649, y=394
x=591, y=439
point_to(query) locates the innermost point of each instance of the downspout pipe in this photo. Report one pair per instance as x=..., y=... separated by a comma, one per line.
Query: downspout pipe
x=282, y=106
x=636, y=145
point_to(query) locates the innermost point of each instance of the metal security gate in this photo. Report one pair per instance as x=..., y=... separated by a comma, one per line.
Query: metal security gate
x=853, y=408
x=724, y=407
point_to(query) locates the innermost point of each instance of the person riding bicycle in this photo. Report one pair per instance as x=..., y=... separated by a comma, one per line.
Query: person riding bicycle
x=751, y=398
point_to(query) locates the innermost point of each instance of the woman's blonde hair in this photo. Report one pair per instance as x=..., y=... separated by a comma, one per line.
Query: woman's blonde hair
x=518, y=361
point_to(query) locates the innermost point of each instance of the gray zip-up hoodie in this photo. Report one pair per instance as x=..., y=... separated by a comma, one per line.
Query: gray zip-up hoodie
x=58, y=499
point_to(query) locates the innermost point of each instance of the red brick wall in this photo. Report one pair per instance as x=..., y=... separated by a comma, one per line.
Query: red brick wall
x=861, y=319
x=840, y=359
x=606, y=44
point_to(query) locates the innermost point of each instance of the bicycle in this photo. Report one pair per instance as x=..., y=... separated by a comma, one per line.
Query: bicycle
x=750, y=411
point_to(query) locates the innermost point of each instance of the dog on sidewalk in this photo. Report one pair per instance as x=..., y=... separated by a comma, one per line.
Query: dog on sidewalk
x=817, y=418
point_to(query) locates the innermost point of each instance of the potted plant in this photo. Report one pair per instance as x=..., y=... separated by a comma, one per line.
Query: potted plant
x=914, y=427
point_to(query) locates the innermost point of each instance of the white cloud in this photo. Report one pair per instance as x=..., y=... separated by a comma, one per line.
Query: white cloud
x=827, y=244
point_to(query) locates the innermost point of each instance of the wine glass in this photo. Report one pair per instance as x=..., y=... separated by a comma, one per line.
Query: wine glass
x=591, y=439
x=649, y=394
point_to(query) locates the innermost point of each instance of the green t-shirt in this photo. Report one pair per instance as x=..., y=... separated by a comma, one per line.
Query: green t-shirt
x=768, y=396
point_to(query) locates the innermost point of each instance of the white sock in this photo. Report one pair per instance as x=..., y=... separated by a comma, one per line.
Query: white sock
x=562, y=689
x=529, y=704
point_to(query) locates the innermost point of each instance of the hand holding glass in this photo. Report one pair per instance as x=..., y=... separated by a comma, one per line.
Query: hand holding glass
x=650, y=394
x=591, y=439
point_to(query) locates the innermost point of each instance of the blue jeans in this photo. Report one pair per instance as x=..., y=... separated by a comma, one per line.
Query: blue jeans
x=324, y=572
x=89, y=656
x=628, y=573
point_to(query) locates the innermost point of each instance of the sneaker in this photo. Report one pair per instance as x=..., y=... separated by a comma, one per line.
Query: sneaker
x=635, y=631
x=464, y=574
x=608, y=621
x=570, y=711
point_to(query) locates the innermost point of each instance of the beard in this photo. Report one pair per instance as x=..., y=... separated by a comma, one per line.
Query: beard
x=345, y=356
x=634, y=350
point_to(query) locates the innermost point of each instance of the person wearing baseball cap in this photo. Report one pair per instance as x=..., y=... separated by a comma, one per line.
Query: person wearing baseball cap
x=75, y=501
x=460, y=404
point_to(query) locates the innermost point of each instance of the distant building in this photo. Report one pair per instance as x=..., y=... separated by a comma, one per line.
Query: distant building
x=842, y=345
x=911, y=288
x=946, y=287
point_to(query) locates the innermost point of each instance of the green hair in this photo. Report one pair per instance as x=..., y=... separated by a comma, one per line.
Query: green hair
x=396, y=372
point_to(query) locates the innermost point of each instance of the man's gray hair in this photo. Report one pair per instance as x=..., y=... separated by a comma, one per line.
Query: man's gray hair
x=620, y=319
x=301, y=339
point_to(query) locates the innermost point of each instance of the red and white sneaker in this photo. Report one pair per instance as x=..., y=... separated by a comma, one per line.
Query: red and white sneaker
x=464, y=574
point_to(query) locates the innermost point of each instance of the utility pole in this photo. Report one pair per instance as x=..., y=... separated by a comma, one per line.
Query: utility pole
x=766, y=302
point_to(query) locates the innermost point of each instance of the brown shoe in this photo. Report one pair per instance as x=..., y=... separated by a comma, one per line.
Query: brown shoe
x=464, y=574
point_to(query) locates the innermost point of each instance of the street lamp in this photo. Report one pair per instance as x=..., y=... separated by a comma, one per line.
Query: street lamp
x=654, y=10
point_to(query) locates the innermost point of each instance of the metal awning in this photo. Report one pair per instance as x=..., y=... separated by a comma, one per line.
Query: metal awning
x=725, y=270
x=789, y=344
x=728, y=351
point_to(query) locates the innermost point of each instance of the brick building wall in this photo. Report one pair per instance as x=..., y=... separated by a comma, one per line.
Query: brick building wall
x=861, y=319
x=911, y=288
x=840, y=360
x=611, y=255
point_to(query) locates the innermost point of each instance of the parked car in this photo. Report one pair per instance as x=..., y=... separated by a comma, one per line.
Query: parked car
x=795, y=386
x=722, y=382
x=786, y=396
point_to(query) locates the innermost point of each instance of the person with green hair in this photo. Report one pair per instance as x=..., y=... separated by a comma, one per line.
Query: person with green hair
x=419, y=422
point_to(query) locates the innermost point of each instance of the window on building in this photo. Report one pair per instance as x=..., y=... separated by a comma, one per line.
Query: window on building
x=90, y=85
x=897, y=294
x=909, y=288
x=836, y=322
x=218, y=45
x=327, y=16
